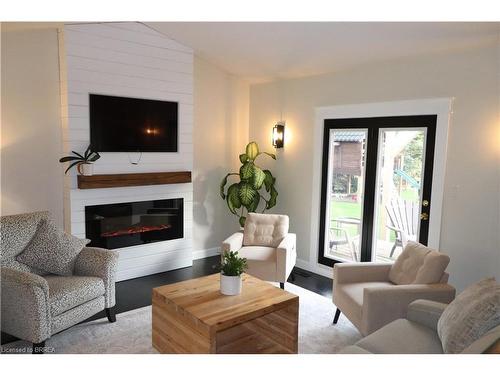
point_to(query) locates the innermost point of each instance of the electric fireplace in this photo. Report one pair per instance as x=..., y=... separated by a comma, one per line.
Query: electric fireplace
x=119, y=225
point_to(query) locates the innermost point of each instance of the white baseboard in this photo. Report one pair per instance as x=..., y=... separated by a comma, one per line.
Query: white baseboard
x=199, y=254
x=315, y=268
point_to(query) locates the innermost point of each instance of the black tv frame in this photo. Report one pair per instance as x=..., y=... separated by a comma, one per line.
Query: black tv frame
x=96, y=140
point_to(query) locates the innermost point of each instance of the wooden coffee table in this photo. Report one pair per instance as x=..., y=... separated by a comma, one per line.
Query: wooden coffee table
x=194, y=317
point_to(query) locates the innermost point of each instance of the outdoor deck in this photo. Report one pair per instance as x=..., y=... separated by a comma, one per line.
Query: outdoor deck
x=382, y=255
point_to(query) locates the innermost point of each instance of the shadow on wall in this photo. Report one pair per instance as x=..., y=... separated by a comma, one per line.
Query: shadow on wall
x=212, y=220
x=200, y=216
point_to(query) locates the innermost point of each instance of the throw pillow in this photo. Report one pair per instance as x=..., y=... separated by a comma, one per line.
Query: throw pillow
x=473, y=313
x=418, y=264
x=52, y=250
x=265, y=229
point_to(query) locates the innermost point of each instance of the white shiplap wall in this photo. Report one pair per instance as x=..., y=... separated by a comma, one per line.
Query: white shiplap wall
x=131, y=60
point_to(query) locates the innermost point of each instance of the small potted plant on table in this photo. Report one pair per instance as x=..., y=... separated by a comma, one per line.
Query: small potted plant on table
x=232, y=267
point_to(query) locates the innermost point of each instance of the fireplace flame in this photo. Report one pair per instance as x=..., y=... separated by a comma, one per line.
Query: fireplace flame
x=136, y=229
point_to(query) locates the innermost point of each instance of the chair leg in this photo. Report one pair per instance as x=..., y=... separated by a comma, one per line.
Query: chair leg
x=337, y=316
x=38, y=348
x=392, y=250
x=282, y=286
x=111, y=314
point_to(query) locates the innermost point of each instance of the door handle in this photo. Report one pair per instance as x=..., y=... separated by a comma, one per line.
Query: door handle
x=424, y=216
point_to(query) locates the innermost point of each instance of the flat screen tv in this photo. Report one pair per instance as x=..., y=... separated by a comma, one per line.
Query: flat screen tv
x=119, y=124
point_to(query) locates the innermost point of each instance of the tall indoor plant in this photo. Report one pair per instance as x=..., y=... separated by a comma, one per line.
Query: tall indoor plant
x=246, y=195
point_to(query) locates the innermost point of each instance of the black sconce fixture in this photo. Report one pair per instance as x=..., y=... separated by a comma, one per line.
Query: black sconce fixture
x=279, y=135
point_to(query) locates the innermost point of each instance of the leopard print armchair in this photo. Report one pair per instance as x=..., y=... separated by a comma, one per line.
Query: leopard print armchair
x=35, y=304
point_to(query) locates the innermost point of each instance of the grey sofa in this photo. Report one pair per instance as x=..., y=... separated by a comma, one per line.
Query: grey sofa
x=417, y=334
x=35, y=305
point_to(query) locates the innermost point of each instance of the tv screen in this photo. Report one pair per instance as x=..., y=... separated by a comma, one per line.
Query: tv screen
x=119, y=124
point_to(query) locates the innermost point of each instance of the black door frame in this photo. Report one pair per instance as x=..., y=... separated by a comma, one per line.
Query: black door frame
x=373, y=125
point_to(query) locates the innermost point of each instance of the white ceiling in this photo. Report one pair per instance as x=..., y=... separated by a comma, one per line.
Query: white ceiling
x=260, y=51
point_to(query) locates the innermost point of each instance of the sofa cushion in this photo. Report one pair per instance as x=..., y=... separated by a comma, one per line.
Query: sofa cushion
x=52, y=250
x=474, y=312
x=67, y=292
x=402, y=337
x=264, y=229
x=418, y=264
x=16, y=232
x=261, y=261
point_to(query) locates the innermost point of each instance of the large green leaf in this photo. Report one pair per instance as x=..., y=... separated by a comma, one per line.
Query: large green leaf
x=252, y=150
x=72, y=165
x=268, y=154
x=243, y=158
x=242, y=221
x=255, y=203
x=269, y=180
x=258, y=177
x=223, y=185
x=69, y=158
x=233, y=200
x=272, y=200
x=246, y=193
x=246, y=171
x=94, y=155
x=77, y=154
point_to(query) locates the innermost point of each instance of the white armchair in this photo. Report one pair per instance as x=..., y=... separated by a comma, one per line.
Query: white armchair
x=266, y=244
x=372, y=295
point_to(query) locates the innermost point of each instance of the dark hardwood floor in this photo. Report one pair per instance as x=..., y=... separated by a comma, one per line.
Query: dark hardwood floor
x=135, y=293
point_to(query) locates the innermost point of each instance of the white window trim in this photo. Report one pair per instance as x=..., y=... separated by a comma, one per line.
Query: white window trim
x=442, y=107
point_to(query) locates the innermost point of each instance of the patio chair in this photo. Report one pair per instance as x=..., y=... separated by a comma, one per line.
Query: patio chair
x=403, y=218
x=340, y=236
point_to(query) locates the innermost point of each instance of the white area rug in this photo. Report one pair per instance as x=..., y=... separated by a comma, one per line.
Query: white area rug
x=131, y=334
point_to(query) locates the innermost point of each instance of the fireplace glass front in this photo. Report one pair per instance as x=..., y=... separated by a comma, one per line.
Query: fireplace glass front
x=119, y=225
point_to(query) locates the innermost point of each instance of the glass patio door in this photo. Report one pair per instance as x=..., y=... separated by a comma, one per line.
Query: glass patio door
x=376, y=184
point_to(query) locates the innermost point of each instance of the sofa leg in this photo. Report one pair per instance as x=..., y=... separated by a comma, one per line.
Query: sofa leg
x=38, y=348
x=337, y=316
x=282, y=286
x=111, y=314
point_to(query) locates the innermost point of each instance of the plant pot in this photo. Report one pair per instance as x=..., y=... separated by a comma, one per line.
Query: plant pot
x=230, y=285
x=85, y=169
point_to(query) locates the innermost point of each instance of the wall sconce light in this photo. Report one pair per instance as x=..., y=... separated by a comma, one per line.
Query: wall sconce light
x=279, y=135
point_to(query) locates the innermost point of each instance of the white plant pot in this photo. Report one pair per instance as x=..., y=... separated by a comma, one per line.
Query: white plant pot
x=230, y=285
x=86, y=169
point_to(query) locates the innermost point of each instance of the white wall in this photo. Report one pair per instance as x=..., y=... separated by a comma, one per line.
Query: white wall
x=31, y=123
x=220, y=131
x=470, y=223
x=220, y=134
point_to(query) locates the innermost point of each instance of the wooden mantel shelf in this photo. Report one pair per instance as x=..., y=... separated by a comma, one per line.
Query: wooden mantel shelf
x=99, y=181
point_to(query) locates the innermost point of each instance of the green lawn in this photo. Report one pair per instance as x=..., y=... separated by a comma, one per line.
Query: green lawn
x=353, y=209
x=346, y=209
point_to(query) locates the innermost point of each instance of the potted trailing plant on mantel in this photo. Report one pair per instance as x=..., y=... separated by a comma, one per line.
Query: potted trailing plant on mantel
x=232, y=266
x=83, y=163
x=247, y=193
